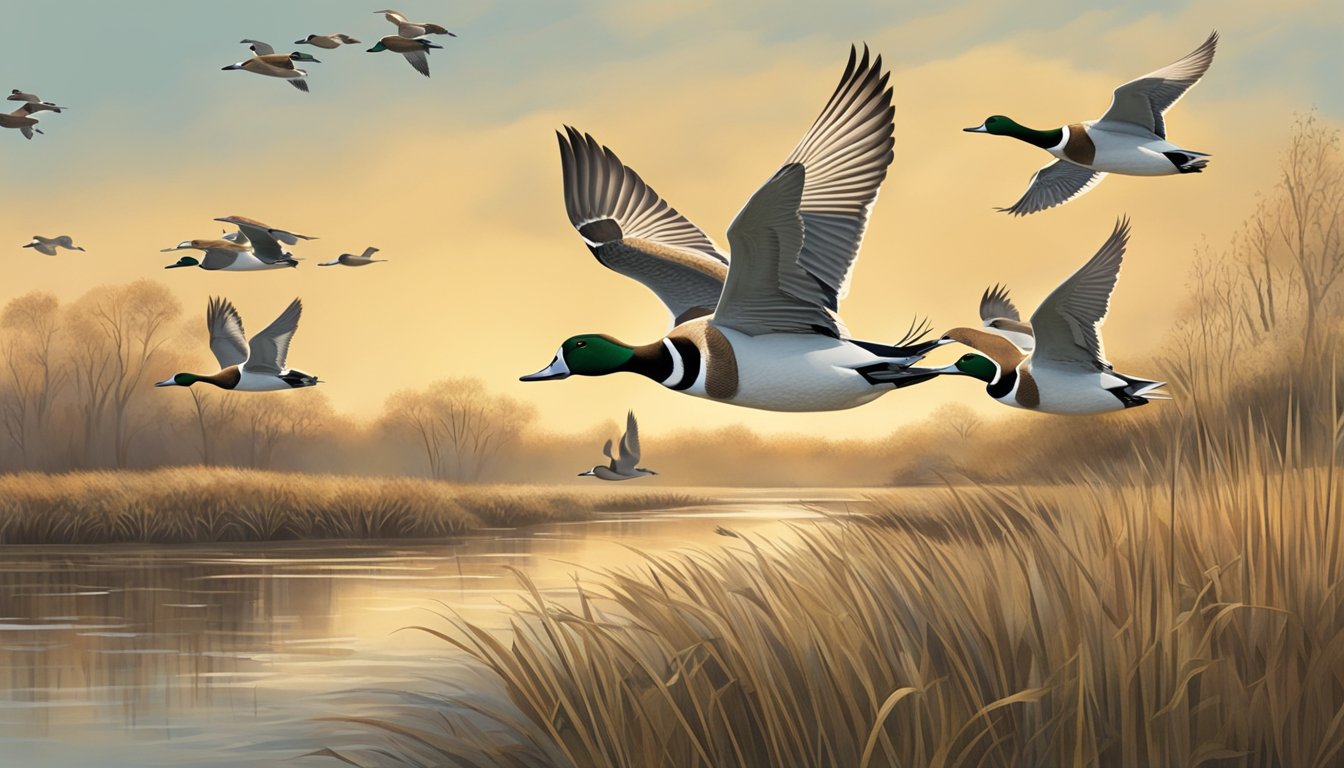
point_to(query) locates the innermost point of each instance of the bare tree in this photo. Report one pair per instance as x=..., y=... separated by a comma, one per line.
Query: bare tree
x=215, y=412
x=32, y=363
x=461, y=427
x=1311, y=218
x=958, y=419
x=129, y=326
x=273, y=418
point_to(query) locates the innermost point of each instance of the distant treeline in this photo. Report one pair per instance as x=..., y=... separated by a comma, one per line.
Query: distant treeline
x=1257, y=342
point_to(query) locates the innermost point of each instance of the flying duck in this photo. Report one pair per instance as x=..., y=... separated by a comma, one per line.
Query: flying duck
x=351, y=260
x=256, y=365
x=1131, y=138
x=415, y=50
x=1067, y=371
x=762, y=331
x=48, y=245
x=21, y=119
x=37, y=104
x=413, y=28
x=327, y=41
x=268, y=62
x=622, y=468
x=255, y=246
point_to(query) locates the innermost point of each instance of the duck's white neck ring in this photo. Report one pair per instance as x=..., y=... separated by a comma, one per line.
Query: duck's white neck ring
x=678, y=367
x=1064, y=139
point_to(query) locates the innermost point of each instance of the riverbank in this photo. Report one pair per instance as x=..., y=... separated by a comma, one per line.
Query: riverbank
x=206, y=504
x=1174, y=623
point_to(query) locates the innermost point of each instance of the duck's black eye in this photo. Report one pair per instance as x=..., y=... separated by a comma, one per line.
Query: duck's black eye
x=580, y=344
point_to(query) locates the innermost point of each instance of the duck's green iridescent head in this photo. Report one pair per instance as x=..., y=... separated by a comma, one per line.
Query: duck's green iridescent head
x=179, y=380
x=977, y=366
x=591, y=354
x=378, y=46
x=997, y=125
x=301, y=56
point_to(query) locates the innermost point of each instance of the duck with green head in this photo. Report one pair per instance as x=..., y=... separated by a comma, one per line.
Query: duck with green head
x=764, y=331
x=268, y=62
x=1130, y=139
x=1066, y=372
x=255, y=365
x=253, y=246
x=415, y=50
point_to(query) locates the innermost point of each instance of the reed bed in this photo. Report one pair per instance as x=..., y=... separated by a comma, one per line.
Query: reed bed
x=1181, y=615
x=197, y=504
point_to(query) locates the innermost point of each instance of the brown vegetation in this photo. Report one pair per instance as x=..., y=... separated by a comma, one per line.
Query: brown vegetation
x=199, y=504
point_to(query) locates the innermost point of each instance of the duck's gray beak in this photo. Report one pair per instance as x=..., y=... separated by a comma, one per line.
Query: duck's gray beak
x=556, y=370
x=166, y=383
x=943, y=341
x=977, y=129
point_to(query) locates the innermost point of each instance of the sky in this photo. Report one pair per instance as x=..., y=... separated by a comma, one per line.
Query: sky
x=457, y=179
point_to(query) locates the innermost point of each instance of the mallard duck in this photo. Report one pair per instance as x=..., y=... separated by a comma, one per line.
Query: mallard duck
x=774, y=339
x=1067, y=371
x=415, y=50
x=1130, y=139
x=268, y=62
x=622, y=467
x=48, y=245
x=256, y=365
x=255, y=246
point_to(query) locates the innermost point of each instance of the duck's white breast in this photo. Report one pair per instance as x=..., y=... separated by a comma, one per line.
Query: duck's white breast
x=260, y=382
x=796, y=372
x=1066, y=391
x=248, y=262
x=1131, y=154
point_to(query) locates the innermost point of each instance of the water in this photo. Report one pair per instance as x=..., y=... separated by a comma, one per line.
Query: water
x=230, y=655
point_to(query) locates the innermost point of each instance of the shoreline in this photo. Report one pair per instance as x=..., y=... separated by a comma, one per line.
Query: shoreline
x=211, y=505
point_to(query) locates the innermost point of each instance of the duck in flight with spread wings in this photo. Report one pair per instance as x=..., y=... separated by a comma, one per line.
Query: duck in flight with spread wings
x=254, y=246
x=1130, y=139
x=1065, y=371
x=248, y=365
x=622, y=467
x=761, y=331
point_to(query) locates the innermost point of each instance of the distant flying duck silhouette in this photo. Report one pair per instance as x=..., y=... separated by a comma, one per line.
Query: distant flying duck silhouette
x=48, y=245
x=622, y=467
x=351, y=260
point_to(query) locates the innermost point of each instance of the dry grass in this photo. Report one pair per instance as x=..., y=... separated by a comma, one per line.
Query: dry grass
x=196, y=504
x=1177, y=616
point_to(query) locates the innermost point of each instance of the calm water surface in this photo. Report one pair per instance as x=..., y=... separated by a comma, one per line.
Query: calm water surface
x=231, y=654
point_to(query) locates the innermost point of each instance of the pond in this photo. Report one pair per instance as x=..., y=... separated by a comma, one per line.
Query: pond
x=230, y=655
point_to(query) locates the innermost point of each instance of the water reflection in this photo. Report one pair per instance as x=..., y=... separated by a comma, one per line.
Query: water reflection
x=224, y=655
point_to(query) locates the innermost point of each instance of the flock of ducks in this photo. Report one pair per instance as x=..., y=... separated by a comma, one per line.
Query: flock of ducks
x=409, y=41
x=762, y=329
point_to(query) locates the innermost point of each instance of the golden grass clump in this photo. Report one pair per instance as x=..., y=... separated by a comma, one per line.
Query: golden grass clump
x=1185, y=616
x=197, y=504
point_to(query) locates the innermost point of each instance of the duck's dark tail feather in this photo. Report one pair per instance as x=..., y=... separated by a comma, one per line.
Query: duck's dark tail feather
x=1138, y=391
x=1188, y=161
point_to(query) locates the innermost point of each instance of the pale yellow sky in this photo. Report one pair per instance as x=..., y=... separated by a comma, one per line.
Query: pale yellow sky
x=486, y=277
